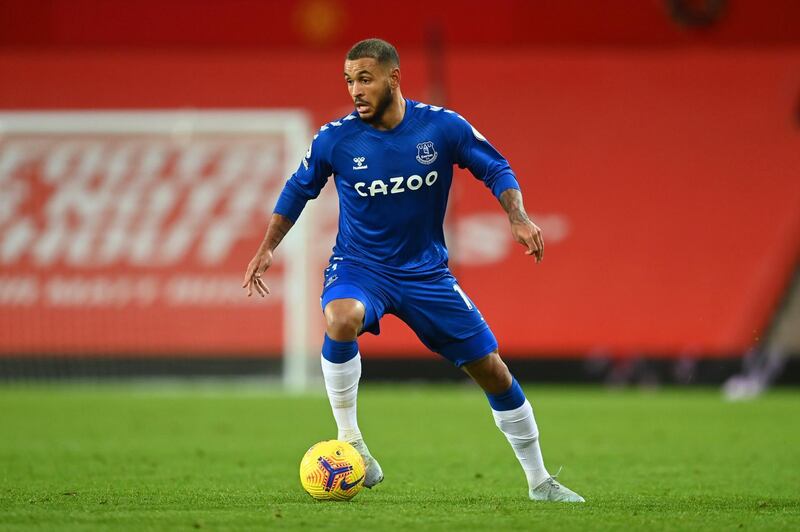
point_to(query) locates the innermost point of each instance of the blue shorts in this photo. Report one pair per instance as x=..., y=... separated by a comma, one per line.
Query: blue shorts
x=433, y=305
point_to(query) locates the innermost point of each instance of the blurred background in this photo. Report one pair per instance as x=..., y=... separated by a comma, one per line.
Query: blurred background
x=657, y=142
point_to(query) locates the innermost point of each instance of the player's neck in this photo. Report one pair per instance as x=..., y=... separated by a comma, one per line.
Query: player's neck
x=394, y=113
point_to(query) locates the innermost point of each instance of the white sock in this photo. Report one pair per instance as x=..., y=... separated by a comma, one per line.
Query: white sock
x=520, y=429
x=341, y=382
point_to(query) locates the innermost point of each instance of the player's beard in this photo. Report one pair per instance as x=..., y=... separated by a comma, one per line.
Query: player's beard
x=380, y=108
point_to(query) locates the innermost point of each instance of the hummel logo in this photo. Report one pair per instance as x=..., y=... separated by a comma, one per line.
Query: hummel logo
x=359, y=163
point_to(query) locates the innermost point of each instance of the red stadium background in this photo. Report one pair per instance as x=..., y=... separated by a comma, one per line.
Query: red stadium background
x=661, y=158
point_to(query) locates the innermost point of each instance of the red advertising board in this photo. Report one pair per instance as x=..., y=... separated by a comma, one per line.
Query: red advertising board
x=128, y=232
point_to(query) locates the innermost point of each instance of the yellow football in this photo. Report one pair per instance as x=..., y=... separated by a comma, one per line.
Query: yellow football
x=332, y=471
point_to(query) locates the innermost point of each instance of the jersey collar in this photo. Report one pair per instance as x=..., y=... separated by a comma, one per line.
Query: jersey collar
x=407, y=116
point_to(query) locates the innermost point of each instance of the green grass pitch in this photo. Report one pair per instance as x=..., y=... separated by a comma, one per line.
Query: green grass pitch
x=226, y=457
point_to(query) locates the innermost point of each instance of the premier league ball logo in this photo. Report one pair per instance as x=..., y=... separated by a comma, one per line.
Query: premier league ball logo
x=426, y=153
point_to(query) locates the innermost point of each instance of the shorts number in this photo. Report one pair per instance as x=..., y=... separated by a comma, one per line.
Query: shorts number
x=463, y=296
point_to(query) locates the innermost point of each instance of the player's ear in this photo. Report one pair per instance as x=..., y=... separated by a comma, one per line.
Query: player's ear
x=394, y=77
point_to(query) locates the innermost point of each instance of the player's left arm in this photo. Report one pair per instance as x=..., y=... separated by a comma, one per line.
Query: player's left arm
x=523, y=229
x=474, y=152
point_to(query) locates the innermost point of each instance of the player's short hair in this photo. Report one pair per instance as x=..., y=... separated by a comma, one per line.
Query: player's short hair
x=378, y=49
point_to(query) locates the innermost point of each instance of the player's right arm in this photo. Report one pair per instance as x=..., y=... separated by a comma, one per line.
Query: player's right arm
x=279, y=225
x=305, y=184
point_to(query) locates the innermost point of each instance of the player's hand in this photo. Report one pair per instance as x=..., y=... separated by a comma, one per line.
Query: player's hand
x=529, y=235
x=252, y=277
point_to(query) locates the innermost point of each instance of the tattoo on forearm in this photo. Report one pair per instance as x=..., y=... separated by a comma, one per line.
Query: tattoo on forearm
x=278, y=227
x=511, y=200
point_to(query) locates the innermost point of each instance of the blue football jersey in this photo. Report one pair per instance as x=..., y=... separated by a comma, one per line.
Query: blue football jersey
x=393, y=185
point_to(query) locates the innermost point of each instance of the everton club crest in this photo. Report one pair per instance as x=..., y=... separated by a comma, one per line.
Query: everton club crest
x=426, y=153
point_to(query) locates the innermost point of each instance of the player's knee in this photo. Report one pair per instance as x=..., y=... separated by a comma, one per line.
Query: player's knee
x=501, y=377
x=344, y=319
x=491, y=373
x=343, y=327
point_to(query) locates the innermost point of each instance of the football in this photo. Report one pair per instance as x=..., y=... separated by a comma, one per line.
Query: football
x=332, y=470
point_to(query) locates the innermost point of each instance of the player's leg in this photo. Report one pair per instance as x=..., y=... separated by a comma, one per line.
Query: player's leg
x=449, y=323
x=513, y=415
x=341, y=363
x=341, y=369
x=348, y=310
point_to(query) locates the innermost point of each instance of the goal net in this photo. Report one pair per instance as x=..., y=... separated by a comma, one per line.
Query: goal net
x=124, y=237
